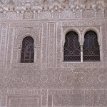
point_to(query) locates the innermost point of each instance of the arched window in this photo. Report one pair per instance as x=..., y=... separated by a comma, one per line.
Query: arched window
x=27, y=52
x=72, y=47
x=91, y=50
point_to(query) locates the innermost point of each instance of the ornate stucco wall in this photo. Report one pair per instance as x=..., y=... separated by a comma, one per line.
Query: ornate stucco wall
x=49, y=81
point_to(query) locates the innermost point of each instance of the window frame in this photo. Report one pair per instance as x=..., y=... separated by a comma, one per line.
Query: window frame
x=22, y=47
x=98, y=46
x=76, y=35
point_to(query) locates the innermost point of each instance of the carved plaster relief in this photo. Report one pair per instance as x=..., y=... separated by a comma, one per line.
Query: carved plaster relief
x=49, y=81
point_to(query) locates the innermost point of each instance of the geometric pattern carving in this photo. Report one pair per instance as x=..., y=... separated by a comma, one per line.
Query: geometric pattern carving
x=72, y=84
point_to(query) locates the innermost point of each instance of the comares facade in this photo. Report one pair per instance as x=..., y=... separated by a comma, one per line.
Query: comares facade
x=53, y=53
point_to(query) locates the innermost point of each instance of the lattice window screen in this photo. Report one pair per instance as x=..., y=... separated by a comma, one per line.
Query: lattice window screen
x=27, y=52
x=91, y=51
x=72, y=47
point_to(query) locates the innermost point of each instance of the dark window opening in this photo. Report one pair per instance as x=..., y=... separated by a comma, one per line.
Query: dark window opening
x=27, y=52
x=72, y=47
x=91, y=51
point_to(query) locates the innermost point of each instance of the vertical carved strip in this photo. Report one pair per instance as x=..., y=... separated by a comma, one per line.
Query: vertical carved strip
x=51, y=45
x=49, y=100
x=104, y=43
x=44, y=46
x=10, y=45
x=0, y=44
x=44, y=98
x=3, y=43
x=58, y=42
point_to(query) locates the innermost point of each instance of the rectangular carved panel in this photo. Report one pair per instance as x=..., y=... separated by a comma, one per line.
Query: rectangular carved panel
x=68, y=98
x=26, y=101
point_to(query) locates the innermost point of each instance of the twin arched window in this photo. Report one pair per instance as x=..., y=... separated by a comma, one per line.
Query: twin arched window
x=90, y=48
x=27, y=52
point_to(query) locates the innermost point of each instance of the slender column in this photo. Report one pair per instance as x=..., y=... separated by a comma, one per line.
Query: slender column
x=81, y=53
